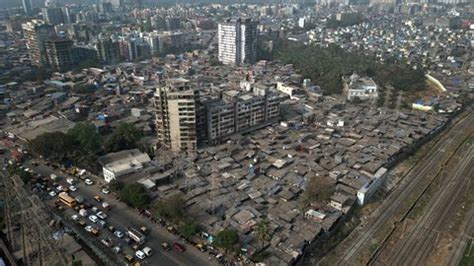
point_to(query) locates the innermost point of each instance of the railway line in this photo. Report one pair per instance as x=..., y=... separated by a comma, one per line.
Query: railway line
x=428, y=167
x=417, y=245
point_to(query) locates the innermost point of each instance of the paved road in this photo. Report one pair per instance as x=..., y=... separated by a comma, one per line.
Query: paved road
x=415, y=246
x=360, y=239
x=122, y=217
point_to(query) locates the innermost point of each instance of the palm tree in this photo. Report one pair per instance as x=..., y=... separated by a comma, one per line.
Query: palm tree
x=263, y=232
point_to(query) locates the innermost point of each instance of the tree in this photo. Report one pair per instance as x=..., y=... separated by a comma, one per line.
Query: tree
x=87, y=137
x=189, y=229
x=135, y=195
x=319, y=189
x=117, y=186
x=124, y=137
x=263, y=232
x=84, y=89
x=54, y=145
x=227, y=239
x=172, y=208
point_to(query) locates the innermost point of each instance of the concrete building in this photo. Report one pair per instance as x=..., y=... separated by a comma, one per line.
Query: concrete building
x=176, y=106
x=153, y=40
x=59, y=54
x=36, y=32
x=108, y=50
x=237, y=41
x=117, y=164
x=52, y=15
x=27, y=6
x=241, y=113
x=362, y=88
x=173, y=23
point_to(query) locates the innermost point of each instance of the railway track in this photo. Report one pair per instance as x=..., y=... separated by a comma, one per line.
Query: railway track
x=417, y=245
x=411, y=181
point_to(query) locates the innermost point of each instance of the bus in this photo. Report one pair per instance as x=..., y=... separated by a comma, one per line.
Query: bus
x=136, y=235
x=66, y=199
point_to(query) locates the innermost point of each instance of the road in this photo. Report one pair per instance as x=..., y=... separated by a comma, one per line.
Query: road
x=415, y=246
x=122, y=216
x=360, y=240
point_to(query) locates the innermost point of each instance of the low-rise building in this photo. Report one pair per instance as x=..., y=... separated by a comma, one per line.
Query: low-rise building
x=121, y=163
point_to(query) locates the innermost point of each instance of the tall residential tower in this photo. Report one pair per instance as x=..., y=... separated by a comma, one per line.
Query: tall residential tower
x=237, y=41
x=36, y=33
x=176, y=106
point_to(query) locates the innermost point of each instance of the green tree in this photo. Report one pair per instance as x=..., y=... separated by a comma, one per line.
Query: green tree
x=319, y=189
x=124, y=137
x=54, y=146
x=87, y=137
x=263, y=232
x=117, y=186
x=228, y=239
x=172, y=208
x=189, y=229
x=84, y=89
x=135, y=195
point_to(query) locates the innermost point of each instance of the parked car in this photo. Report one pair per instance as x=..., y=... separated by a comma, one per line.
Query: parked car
x=72, y=188
x=70, y=181
x=102, y=223
x=88, y=228
x=147, y=251
x=165, y=246
x=106, y=242
x=106, y=206
x=82, y=222
x=111, y=228
x=98, y=198
x=105, y=191
x=83, y=212
x=140, y=255
x=117, y=249
x=144, y=230
x=178, y=247
x=75, y=217
x=118, y=234
x=52, y=194
x=89, y=182
x=129, y=258
x=93, y=218
x=101, y=215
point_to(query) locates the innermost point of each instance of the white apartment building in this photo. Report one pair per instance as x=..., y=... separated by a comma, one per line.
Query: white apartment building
x=237, y=41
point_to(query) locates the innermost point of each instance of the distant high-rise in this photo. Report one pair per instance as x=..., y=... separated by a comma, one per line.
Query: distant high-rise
x=36, y=32
x=108, y=50
x=27, y=6
x=59, y=54
x=237, y=41
x=52, y=15
x=176, y=106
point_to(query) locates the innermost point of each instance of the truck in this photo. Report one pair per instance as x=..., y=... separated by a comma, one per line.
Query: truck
x=136, y=235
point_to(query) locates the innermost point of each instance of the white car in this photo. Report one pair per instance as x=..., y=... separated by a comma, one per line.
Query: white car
x=52, y=193
x=101, y=215
x=118, y=234
x=70, y=181
x=93, y=218
x=89, y=182
x=88, y=228
x=105, y=191
x=72, y=188
x=59, y=188
x=139, y=254
x=75, y=217
x=147, y=251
